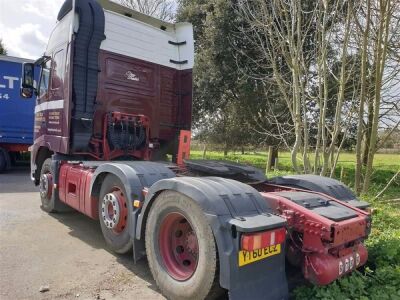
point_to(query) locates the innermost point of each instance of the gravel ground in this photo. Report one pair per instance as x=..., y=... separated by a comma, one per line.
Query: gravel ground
x=64, y=252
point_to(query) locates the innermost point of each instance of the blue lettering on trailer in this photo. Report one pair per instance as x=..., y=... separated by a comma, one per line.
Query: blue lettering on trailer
x=9, y=84
x=10, y=80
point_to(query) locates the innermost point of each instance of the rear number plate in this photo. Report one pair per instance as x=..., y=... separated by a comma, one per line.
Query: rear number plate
x=248, y=257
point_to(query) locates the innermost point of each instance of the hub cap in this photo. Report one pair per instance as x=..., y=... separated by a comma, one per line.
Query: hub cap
x=46, y=185
x=114, y=211
x=179, y=246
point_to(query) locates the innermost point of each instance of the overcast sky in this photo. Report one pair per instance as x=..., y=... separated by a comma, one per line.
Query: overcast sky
x=25, y=25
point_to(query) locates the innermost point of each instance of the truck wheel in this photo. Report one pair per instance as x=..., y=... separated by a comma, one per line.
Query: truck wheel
x=180, y=248
x=3, y=162
x=46, y=187
x=114, y=216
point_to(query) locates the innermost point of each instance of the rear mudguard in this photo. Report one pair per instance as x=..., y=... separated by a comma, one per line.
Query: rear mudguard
x=325, y=185
x=231, y=208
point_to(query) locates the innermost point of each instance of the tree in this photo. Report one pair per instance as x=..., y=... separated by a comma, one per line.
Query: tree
x=161, y=9
x=364, y=49
x=278, y=42
x=3, y=50
x=385, y=12
x=296, y=44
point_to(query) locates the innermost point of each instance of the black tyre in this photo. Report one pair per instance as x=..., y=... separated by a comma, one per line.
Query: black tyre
x=3, y=162
x=181, y=249
x=48, y=194
x=46, y=187
x=114, y=215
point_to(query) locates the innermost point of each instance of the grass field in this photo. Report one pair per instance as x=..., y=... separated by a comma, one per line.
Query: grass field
x=385, y=166
x=380, y=278
x=392, y=161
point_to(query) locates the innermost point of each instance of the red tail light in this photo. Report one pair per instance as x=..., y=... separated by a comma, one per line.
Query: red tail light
x=259, y=240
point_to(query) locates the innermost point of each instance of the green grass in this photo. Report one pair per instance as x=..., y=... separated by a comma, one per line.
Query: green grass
x=260, y=158
x=380, y=278
x=384, y=167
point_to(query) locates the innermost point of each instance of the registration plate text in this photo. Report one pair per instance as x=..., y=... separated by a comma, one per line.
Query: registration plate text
x=248, y=257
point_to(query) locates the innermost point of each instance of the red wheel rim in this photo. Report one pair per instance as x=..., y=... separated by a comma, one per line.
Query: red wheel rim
x=179, y=247
x=123, y=210
x=114, y=208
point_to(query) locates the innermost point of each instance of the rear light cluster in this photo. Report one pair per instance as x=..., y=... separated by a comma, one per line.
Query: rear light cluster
x=260, y=240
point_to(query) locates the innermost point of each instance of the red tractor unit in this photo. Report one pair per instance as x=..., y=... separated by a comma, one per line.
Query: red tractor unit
x=113, y=101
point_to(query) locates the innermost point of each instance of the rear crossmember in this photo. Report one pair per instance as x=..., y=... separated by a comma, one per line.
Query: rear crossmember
x=325, y=239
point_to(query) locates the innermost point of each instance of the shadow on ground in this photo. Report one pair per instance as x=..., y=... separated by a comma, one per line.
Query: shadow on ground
x=88, y=231
x=17, y=180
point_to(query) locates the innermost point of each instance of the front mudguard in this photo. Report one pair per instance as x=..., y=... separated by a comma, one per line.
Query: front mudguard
x=231, y=208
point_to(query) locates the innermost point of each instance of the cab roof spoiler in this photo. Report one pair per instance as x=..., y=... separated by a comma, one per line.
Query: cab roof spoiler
x=127, y=12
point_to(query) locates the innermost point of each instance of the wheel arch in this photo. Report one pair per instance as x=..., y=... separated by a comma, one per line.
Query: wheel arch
x=96, y=183
x=179, y=185
x=213, y=194
x=126, y=174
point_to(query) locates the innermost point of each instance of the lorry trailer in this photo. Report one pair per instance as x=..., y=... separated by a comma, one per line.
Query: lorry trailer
x=114, y=103
x=16, y=113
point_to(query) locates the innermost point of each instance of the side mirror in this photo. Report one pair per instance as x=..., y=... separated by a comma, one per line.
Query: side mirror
x=27, y=86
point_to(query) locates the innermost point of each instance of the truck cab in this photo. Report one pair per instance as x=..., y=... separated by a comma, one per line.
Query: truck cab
x=112, y=60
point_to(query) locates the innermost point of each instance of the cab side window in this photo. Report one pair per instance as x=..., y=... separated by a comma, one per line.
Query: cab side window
x=58, y=69
x=44, y=81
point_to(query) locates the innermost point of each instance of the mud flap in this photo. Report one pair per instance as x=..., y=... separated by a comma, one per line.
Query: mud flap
x=262, y=279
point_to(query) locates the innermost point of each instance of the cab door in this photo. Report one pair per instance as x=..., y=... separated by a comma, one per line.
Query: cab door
x=40, y=127
x=56, y=99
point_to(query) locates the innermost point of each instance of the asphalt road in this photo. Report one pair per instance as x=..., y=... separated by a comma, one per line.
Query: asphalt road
x=64, y=251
